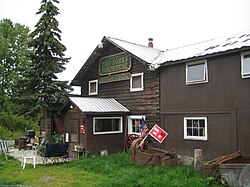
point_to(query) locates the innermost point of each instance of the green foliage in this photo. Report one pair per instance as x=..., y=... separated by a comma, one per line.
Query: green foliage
x=56, y=138
x=5, y=133
x=217, y=179
x=13, y=123
x=48, y=93
x=14, y=60
x=113, y=170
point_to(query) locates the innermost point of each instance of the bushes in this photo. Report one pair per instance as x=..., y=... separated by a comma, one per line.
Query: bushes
x=11, y=124
x=4, y=133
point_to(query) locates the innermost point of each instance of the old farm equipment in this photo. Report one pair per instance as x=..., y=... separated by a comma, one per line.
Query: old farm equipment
x=143, y=155
x=234, y=169
x=130, y=139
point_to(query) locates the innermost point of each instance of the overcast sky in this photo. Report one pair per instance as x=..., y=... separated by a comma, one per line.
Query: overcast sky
x=171, y=23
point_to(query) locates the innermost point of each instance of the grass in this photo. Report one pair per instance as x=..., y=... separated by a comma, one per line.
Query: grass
x=114, y=170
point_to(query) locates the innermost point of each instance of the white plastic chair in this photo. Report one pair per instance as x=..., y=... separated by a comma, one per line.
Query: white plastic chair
x=4, y=148
x=29, y=154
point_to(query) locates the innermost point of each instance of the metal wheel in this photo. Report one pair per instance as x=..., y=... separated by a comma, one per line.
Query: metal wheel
x=130, y=139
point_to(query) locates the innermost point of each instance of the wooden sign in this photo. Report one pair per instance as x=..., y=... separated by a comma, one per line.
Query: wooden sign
x=113, y=64
x=114, y=78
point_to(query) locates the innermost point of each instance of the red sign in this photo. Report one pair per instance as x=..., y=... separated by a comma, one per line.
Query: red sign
x=82, y=129
x=158, y=133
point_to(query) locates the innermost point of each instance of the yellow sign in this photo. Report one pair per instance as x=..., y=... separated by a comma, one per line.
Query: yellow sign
x=114, y=78
x=113, y=64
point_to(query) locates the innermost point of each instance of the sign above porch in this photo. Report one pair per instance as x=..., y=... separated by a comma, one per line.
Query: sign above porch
x=114, y=64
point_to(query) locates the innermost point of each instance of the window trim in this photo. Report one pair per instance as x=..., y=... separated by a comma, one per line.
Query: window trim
x=130, y=118
x=131, y=82
x=244, y=75
x=205, y=80
x=195, y=137
x=96, y=82
x=108, y=132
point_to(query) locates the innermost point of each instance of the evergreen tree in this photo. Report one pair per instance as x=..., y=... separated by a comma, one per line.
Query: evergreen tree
x=45, y=93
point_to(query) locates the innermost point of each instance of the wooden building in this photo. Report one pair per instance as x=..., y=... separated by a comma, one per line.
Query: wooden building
x=205, y=96
x=120, y=72
x=198, y=93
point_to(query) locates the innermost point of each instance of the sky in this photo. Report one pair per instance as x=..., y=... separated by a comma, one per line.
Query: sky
x=171, y=23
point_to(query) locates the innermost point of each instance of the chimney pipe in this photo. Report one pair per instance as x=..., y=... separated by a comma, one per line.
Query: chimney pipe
x=150, y=43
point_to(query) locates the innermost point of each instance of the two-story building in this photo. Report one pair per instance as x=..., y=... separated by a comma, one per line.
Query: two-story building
x=119, y=89
x=205, y=96
x=198, y=93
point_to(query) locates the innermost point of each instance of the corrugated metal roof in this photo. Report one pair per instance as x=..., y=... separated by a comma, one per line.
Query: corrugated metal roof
x=156, y=57
x=204, y=48
x=90, y=104
x=143, y=52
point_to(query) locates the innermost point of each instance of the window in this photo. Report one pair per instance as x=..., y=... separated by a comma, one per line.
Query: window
x=195, y=128
x=134, y=124
x=93, y=87
x=107, y=125
x=136, y=82
x=245, y=64
x=196, y=72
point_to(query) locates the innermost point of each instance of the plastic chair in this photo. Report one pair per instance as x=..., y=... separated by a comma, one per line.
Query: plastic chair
x=29, y=154
x=4, y=148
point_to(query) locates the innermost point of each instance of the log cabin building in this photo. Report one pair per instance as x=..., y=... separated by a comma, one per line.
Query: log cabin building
x=119, y=87
x=198, y=93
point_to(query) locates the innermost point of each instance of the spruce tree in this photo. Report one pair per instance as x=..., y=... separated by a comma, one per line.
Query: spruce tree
x=45, y=92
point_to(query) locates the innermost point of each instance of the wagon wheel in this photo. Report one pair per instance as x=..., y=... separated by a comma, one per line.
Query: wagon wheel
x=130, y=139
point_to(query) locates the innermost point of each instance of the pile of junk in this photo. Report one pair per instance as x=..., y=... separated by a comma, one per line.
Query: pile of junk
x=28, y=141
x=234, y=169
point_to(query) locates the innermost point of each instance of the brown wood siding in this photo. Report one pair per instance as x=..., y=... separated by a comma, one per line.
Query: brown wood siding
x=114, y=143
x=144, y=102
x=222, y=137
x=224, y=100
x=46, y=125
x=71, y=119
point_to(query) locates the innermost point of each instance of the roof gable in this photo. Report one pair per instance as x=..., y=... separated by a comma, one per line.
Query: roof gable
x=145, y=53
x=156, y=58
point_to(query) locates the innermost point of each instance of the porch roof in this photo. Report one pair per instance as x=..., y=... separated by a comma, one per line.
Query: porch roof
x=91, y=104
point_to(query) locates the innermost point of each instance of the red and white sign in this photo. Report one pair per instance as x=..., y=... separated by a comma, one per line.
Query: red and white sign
x=158, y=133
x=82, y=129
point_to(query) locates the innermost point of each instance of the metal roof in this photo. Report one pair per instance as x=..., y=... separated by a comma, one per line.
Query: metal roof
x=91, y=104
x=209, y=47
x=143, y=52
x=156, y=57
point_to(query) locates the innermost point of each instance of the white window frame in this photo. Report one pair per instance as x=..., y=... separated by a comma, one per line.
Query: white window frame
x=205, y=78
x=247, y=74
x=186, y=137
x=91, y=82
x=131, y=82
x=130, y=118
x=108, y=132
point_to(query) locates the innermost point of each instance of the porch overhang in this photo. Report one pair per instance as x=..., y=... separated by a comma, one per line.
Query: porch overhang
x=98, y=105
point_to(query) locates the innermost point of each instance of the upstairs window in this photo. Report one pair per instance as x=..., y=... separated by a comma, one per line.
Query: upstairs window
x=93, y=87
x=245, y=64
x=136, y=82
x=196, y=72
x=195, y=128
